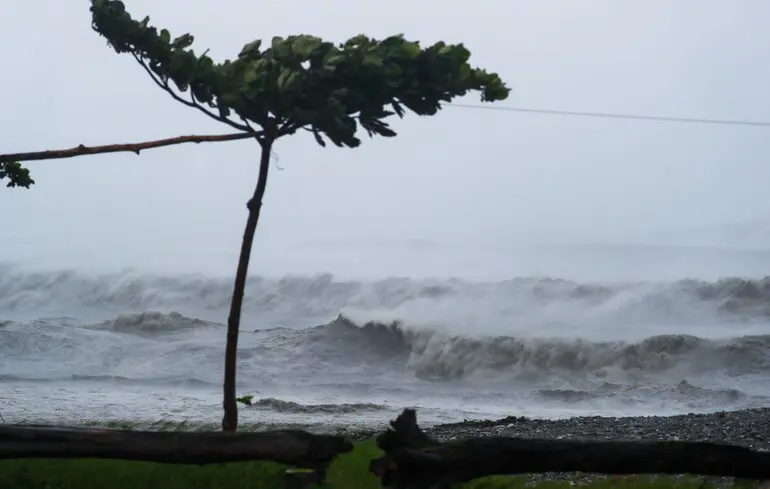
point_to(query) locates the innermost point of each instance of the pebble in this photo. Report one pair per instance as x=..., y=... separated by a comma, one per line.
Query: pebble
x=749, y=428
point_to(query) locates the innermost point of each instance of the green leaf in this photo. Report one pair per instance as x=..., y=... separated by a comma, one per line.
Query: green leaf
x=165, y=36
x=17, y=175
x=253, y=72
x=260, y=66
x=202, y=93
x=462, y=54
x=182, y=42
x=228, y=99
x=397, y=108
x=318, y=55
x=286, y=79
x=356, y=41
x=249, y=77
x=372, y=61
x=318, y=138
x=333, y=59
x=205, y=66
x=386, y=132
x=465, y=73
x=224, y=110
x=246, y=400
x=182, y=67
x=251, y=50
x=281, y=49
x=392, y=41
x=303, y=46
x=411, y=49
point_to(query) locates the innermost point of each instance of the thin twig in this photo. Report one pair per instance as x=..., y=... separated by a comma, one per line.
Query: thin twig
x=246, y=122
x=165, y=86
x=81, y=150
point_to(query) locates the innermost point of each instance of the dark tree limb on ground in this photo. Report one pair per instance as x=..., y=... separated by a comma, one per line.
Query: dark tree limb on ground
x=413, y=459
x=81, y=150
x=292, y=447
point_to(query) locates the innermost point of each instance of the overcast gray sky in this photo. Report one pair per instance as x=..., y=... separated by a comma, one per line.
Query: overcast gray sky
x=463, y=176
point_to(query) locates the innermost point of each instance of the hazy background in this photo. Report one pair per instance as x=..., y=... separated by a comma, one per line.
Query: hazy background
x=463, y=180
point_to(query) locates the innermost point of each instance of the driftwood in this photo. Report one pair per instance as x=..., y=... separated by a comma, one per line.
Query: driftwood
x=292, y=447
x=415, y=460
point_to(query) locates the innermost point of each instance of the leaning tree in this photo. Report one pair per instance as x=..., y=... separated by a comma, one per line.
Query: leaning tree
x=298, y=83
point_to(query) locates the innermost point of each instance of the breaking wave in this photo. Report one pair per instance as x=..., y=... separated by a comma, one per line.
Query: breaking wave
x=437, y=355
x=548, y=301
x=317, y=346
x=428, y=354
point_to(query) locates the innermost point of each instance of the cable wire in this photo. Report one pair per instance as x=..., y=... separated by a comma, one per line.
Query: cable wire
x=606, y=115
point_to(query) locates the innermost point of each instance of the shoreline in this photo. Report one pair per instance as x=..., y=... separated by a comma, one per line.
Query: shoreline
x=745, y=427
x=748, y=427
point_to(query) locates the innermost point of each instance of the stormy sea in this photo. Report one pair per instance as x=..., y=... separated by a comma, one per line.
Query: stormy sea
x=140, y=346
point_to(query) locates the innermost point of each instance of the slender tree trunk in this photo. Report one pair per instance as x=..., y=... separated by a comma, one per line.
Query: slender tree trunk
x=230, y=419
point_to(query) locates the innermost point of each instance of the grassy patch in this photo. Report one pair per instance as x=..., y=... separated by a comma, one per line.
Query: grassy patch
x=348, y=472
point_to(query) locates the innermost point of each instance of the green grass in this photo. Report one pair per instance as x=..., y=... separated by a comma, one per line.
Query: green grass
x=349, y=471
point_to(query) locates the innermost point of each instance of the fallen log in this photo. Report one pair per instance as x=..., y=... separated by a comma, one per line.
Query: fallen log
x=291, y=447
x=415, y=460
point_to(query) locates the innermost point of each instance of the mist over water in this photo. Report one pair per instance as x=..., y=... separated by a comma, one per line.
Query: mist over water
x=607, y=330
x=417, y=258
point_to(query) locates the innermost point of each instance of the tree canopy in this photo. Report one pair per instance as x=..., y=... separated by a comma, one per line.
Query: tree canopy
x=302, y=81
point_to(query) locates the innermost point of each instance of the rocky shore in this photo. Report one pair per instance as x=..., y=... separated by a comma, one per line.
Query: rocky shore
x=750, y=428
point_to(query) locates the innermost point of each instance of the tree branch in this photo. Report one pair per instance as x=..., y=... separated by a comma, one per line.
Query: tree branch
x=120, y=148
x=164, y=85
x=246, y=123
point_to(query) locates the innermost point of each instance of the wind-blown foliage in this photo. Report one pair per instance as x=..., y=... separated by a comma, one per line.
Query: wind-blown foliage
x=17, y=175
x=302, y=81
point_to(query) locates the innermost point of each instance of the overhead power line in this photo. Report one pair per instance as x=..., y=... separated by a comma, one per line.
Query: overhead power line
x=607, y=115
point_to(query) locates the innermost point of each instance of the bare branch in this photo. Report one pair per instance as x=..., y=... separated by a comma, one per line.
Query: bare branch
x=165, y=86
x=246, y=123
x=121, y=148
x=290, y=127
